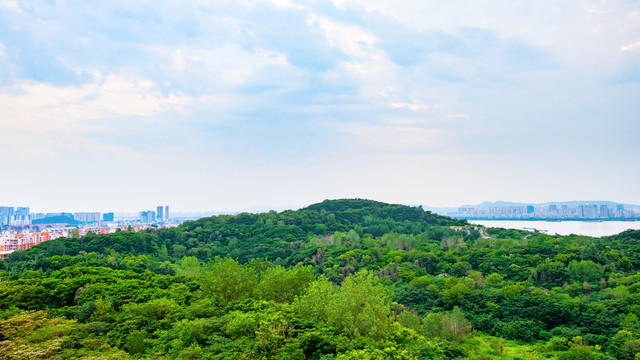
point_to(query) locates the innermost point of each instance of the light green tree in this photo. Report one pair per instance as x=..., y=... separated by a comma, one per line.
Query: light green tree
x=228, y=279
x=360, y=307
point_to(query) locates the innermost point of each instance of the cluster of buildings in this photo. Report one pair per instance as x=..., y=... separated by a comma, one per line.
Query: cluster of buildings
x=20, y=229
x=21, y=216
x=10, y=215
x=161, y=214
x=12, y=240
x=551, y=211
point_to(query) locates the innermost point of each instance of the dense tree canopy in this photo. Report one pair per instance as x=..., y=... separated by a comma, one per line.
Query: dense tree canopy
x=343, y=279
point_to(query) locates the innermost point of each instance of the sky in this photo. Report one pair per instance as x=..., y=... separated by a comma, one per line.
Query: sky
x=234, y=105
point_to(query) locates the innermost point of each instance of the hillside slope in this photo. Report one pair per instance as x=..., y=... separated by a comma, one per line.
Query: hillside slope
x=346, y=279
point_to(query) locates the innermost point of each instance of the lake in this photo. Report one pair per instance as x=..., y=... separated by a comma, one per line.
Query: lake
x=589, y=228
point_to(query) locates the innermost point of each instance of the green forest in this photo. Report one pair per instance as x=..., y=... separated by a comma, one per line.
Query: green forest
x=341, y=279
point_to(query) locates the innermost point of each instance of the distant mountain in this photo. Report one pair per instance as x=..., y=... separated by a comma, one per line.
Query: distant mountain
x=439, y=210
x=487, y=204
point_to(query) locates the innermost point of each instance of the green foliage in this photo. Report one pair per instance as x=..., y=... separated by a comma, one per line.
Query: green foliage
x=340, y=279
x=228, y=279
x=455, y=294
x=33, y=335
x=282, y=285
x=360, y=307
x=449, y=326
x=584, y=271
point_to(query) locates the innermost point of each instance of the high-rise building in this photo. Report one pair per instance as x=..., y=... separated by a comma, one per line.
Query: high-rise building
x=162, y=213
x=6, y=215
x=7, y=210
x=590, y=211
x=148, y=216
x=108, y=216
x=530, y=209
x=36, y=216
x=553, y=209
x=21, y=216
x=87, y=217
x=604, y=211
x=564, y=210
x=22, y=211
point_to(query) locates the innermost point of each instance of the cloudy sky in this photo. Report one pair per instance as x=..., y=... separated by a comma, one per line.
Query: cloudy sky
x=228, y=105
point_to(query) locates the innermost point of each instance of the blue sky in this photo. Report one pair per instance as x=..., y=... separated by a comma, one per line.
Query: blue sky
x=228, y=105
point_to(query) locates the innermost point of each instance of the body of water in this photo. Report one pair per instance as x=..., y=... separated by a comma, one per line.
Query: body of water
x=589, y=228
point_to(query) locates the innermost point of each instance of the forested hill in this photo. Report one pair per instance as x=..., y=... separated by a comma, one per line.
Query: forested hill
x=353, y=211
x=342, y=279
x=273, y=236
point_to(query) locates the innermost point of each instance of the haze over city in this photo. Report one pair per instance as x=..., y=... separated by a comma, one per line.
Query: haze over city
x=229, y=105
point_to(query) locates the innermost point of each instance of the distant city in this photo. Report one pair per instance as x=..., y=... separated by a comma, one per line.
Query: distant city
x=21, y=216
x=20, y=229
x=548, y=212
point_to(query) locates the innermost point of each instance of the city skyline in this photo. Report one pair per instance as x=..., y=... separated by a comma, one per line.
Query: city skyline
x=284, y=103
x=23, y=216
x=22, y=229
x=587, y=211
x=449, y=211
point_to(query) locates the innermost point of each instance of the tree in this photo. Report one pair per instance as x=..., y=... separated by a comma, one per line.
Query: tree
x=281, y=285
x=457, y=324
x=455, y=294
x=228, y=279
x=360, y=307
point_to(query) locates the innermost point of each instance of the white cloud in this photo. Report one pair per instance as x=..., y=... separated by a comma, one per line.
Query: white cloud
x=45, y=108
x=287, y=3
x=7, y=68
x=631, y=47
x=352, y=40
x=413, y=107
x=9, y=4
x=220, y=68
x=271, y=82
x=458, y=116
x=580, y=33
x=394, y=139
